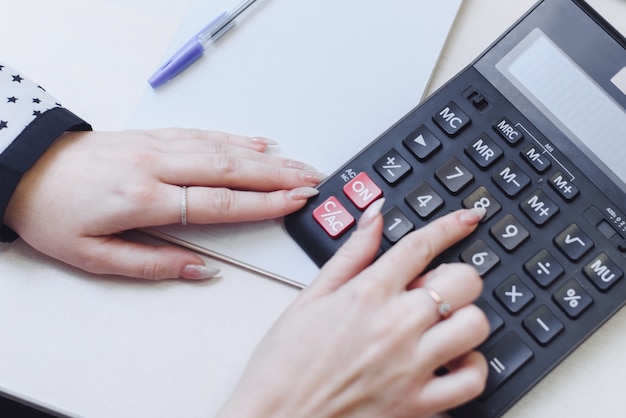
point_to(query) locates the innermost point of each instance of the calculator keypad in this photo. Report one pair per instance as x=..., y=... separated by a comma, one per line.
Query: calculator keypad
x=454, y=175
x=396, y=224
x=481, y=197
x=484, y=152
x=451, y=119
x=392, y=167
x=362, y=191
x=543, y=325
x=572, y=298
x=511, y=179
x=422, y=143
x=424, y=200
x=545, y=265
x=333, y=217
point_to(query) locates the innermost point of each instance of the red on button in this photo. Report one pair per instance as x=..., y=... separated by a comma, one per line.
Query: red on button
x=333, y=217
x=362, y=191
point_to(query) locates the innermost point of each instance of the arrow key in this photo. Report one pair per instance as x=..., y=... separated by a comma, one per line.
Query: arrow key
x=422, y=143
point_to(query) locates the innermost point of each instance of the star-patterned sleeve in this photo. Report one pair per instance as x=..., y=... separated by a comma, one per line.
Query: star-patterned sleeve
x=30, y=121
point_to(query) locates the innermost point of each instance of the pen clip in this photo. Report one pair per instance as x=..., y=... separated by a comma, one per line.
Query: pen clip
x=216, y=29
x=223, y=31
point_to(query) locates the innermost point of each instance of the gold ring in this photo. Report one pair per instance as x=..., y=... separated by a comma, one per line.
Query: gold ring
x=443, y=308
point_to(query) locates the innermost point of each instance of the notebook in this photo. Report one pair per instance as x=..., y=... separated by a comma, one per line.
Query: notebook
x=322, y=78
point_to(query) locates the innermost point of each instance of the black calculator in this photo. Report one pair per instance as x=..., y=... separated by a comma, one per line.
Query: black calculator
x=534, y=131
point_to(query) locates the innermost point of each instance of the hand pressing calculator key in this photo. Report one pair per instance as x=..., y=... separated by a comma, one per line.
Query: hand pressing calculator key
x=534, y=131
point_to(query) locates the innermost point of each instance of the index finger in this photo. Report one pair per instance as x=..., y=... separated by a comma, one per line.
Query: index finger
x=206, y=205
x=411, y=255
x=177, y=134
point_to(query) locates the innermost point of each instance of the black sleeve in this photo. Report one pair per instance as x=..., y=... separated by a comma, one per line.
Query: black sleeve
x=30, y=121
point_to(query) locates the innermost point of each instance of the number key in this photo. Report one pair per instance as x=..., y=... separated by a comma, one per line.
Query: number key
x=424, y=200
x=454, y=175
x=479, y=255
x=509, y=233
x=481, y=198
x=396, y=224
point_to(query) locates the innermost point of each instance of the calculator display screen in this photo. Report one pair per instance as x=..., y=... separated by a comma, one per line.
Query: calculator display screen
x=567, y=96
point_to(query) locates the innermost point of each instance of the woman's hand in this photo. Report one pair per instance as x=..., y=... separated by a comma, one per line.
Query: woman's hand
x=366, y=341
x=90, y=186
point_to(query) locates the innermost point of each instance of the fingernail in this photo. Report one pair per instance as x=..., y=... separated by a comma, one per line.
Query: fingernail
x=263, y=141
x=198, y=272
x=302, y=193
x=472, y=216
x=299, y=165
x=312, y=176
x=370, y=213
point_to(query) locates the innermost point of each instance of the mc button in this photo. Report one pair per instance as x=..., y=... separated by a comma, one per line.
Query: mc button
x=451, y=119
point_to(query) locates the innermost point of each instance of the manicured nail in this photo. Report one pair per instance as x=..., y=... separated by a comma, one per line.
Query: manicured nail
x=472, y=216
x=198, y=272
x=298, y=165
x=263, y=141
x=312, y=176
x=371, y=212
x=302, y=193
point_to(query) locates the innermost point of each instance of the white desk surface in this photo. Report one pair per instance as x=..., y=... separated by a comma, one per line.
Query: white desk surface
x=49, y=310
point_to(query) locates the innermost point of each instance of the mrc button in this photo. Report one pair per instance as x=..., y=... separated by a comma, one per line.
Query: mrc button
x=509, y=132
x=451, y=119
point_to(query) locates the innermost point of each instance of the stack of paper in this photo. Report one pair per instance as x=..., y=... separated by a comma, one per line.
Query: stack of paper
x=322, y=77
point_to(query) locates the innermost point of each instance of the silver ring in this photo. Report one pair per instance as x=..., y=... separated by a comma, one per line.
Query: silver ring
x=443, y=308
x=183, y=205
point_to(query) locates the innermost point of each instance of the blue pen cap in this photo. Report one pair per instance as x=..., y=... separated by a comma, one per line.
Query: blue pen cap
x=183, y=58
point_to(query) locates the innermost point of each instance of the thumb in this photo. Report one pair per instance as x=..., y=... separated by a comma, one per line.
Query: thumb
x=353, y=256
x=114, y=255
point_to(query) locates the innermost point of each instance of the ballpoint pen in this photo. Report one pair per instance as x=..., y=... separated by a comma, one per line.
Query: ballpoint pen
x=196, y=46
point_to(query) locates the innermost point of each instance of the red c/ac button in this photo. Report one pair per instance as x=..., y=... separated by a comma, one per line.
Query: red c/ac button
x=333, y=217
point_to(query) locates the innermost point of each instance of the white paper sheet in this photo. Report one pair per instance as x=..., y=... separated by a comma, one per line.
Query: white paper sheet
x=322, y=77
